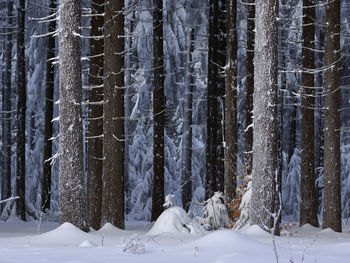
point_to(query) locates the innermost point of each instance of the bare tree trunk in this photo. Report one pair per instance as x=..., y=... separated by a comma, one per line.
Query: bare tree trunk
x=113, y=122
x=21, y=113
x=158, y=111
x=7, y=130
x=50, y=85
x=332, y=186
x=216, y=89
x=308, y=202
x=231, y=148
x=73, y=205
x=265, y=115
x=187, y=147
x=248, y=161
x=95, y=113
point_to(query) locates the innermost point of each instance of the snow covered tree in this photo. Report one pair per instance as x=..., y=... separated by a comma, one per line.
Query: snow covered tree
x=332, y=186
x=113, y=122
x=48, y=129
x=21, y=112
x=73, y=206
x=216, y=89
x=265, y=115
x=158, y=111
x=95, y=114
x=308, y=202
x=231, y=148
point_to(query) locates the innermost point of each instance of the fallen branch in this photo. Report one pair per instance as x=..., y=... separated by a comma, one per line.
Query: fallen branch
x=9, y=199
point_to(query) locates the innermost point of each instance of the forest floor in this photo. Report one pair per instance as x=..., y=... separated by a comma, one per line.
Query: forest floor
x=20, y=242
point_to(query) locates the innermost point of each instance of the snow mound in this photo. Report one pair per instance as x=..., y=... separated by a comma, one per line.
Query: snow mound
x=88, y=243
x=109, y=230
x=256, y=230
x=174, y=220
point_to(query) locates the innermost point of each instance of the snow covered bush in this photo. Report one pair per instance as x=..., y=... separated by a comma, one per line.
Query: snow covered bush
x=244, y=207
x=169, y=201
x=134, y=245
x=214, y=213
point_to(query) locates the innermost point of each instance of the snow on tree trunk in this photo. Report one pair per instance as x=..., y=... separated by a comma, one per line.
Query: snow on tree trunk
x=158, y=111
x=113, y=122
x=265, y=115
x=95, y=113
x=332, y=187
x=21, y=112
x=231, y=147
x=50, y=84
x=308, y=203
x=73, y=206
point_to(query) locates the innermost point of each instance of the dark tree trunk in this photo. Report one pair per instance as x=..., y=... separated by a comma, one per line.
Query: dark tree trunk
x=73, y=204
x=50, y=85
x=113, y=122
x=231, y=103
x=95, y=113
x=158, y=111
x=216, y=89
x=248, y=161
x=265, y=116
x=308, y=202
x=21, y=113
x=7, y=142
x=332, y=186
x=187, y=147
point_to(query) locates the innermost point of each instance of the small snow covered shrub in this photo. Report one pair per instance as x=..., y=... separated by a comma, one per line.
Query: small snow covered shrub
x=214, y=213
x=134, y=245
x=169, y=201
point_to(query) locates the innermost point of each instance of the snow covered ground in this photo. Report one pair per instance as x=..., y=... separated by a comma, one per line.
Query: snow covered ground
x=20, y=242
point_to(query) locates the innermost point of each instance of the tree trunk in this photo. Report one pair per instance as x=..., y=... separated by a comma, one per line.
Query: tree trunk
x=231, y=103
x=216, y=89
x=158, y=111
x=187, y=146
x=95, y=113
x=50, y=85
x=73, y=206
x=7, y=131
x=113, y=122
x=332, y=186
x=308, y=202
x=265, y=115
x=248, y=161
x=21, y=112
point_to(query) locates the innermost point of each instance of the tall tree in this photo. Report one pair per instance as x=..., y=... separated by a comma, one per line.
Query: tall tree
x=332, y=186
x=231, y=148
x=95, y=113
x=6, y=179
x=215, y=104
x=158, y=111
x=73, y=207
x=21, y=112
x=248, y=160
x=265, y=115
x=50, y=85
x=113, y=122
x=308, y=202
x=187, y=139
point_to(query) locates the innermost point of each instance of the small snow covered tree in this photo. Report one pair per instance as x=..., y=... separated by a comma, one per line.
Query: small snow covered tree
x=73, y=206
x=265, y=115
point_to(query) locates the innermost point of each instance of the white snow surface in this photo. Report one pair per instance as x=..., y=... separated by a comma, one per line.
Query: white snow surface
x=20, y=242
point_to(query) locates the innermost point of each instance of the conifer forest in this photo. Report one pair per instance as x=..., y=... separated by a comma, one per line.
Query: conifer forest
x=110, y=109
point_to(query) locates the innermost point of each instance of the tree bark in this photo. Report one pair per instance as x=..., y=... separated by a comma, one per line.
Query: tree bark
x=21, y=112
x=95, y=113
x=113, y=122
x=332, y=184
x=50, y=85
x=73, y=205
x=231, y=147
x=308, y=202
x=265, y=115
x=158, y=111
